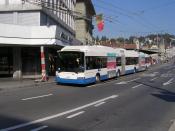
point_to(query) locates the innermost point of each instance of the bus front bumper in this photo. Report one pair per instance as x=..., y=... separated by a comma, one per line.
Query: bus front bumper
x=82, y=81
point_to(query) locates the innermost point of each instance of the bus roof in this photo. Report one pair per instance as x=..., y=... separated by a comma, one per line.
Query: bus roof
x=131, y=53
x=119, y=51
x=127, y=53
x=94, y=50
x=146, y=55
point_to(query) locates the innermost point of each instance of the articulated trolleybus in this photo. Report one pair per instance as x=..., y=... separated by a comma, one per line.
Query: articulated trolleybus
x=129, y=61
x=85, y=64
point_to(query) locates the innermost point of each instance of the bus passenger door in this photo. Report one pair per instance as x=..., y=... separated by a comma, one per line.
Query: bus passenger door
x=111, y=65
x=123, y=62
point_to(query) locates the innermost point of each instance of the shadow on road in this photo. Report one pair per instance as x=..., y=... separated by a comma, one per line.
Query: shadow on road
x=163, y=94
x=167, y=96
x=6, y=122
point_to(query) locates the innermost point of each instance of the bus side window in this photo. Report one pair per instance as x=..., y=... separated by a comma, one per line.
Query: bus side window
x=97, y=63
x=87, y=63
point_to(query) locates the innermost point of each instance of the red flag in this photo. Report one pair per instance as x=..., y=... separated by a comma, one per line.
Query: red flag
x=100, y=22
x=100, y=26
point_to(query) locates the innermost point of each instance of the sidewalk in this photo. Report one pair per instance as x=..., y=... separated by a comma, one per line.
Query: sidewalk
x=10, y=83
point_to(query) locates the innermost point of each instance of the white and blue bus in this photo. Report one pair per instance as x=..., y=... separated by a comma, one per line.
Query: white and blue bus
x=85, y=64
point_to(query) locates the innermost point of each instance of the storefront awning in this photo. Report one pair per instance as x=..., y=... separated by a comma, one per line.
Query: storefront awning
x=31, y=42
x=30, y=35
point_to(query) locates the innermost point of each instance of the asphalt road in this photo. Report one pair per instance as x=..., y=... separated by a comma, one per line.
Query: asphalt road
x=138, y=102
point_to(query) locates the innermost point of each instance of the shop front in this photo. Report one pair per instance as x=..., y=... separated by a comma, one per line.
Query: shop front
x=21, y=53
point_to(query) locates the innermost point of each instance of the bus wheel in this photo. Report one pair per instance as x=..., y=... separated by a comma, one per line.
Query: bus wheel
x=146, y=68
x=97, y=78
x=118, y=73
x=135, y=70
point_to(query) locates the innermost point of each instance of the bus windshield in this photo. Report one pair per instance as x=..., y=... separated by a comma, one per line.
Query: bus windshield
x=70, y=61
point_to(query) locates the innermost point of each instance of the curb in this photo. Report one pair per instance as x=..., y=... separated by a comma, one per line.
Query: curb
x=38, y=84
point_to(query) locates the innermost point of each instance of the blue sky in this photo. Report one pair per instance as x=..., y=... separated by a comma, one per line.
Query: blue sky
x=135, y=17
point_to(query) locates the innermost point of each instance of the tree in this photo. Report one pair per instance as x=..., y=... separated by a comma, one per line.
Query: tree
x=120, y=39
x=104, y=38
x=97, y=38
x=112, y=40
x=131, y=39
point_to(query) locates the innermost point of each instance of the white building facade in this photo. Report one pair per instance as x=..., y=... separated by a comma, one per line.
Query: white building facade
x=25, y=26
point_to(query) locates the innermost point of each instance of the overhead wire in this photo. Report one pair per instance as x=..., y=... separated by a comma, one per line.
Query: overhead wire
x=128, y=16
x=144, y=23
x=108, y=18
x=157, y=7
x=119, y=8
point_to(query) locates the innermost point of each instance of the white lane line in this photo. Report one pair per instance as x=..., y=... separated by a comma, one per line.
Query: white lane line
x=137, y=86
x=39, y=128
x=169, y=71
x=106, y=82
x=92, y=85
x=99, y=104
x=154, y=79
x=125, y=82
x=37, y=97
x=58, y=115
x=76, y=114
x=168, y=82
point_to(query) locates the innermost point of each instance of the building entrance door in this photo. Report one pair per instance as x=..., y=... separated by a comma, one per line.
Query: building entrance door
x=31, y=62
x=6, y=62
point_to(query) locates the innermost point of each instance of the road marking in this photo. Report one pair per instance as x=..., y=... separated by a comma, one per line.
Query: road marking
x=168, y=82
x=92, y=85
x=58, y=115
x=166, y=75
x=39, y=128
x=37, y=97
x=137, y=86
x=154, y=79
x=149, y=75
x=76, y=114
x=169, y=71
x=125, y=82
x=168, y=67
x=99, y=104
x=106, y=82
